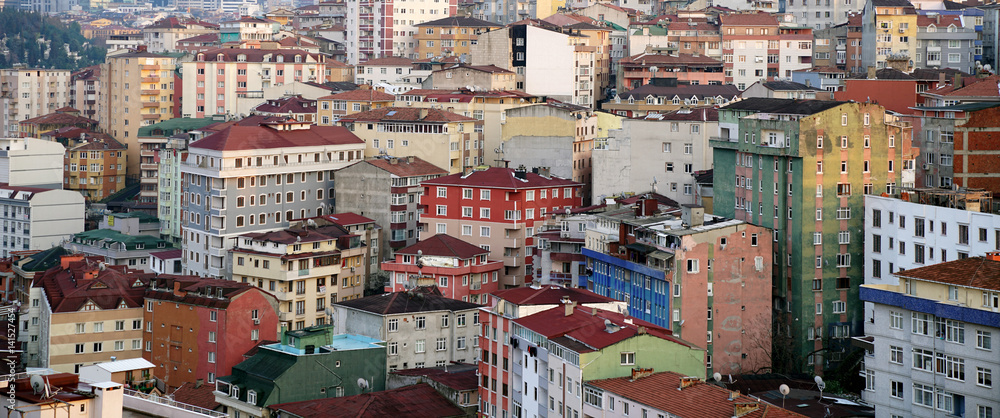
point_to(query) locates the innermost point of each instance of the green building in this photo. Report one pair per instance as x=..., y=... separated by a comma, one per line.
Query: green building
x=117, y=248
x=310, y=363
x=802, y=168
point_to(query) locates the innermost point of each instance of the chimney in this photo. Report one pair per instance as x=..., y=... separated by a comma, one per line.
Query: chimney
x=693, y=215
x=742, y=408
x=409, y=159
x=423, y=114
x=467, y=170
x=543, y=171
x=66, y=259
x=108, y=399
x=569, y=306
x=687, y=381
x=393, y=161
x=639, y=373
x=199, y=383
x=958, y=81
x=177, y=289
x=645, y=31
x=993, y=255
x=871, y=73
x=942, y=78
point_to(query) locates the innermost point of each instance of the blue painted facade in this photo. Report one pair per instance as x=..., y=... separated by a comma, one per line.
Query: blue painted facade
x=645, y=289
x=929, y=306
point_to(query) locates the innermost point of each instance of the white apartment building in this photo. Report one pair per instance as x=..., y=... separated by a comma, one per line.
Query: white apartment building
x=27, y=93
x=432, y=333
x=254, y=177
x=31, y=162
x=410, y=13
x=38, y=219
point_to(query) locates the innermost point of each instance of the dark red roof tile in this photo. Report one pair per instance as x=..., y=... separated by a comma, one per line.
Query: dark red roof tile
x=407, y=114
x=445, y=246
x=404, y=167
x=979, y=272
x=239, y=137
x=417, y=401
x=587, y=326
x=503, y=178
x=549, y=295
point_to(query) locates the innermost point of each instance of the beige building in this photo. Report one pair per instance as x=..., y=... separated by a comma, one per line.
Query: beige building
x=30, y=93
x=85, y=312
x=138, y=88
x=331, y=108
x=307, y=267
x=445, y=139
x=162, y=35
x=479, y=77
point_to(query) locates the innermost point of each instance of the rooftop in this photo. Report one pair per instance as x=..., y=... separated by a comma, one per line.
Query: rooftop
x=78, y=281
x=502, y=178
x=458, y=376
x=417, y=401
x=388, y=61
x=786, y=86
x=125, y=365
x=194, y=290
x=407, y=114
x=363, y=95
x=443, y=245
x=237, y=137
x=254, y=55
x=549, y=295
x=407, y=302
x=585, y=329
x=299, y=234
x=459, y=21
x=977, y=272
x=683, y=91
x=783, y=106
x=406, y=166
x=648, y=60
x=104, y=238
x=748, y=19
x=287, y=105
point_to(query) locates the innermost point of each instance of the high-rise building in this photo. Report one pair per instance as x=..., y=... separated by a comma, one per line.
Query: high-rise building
x=762, y=46
x=138, y=90
x=85, y=92
x=886, y=32
x=370, y=30
x=802, y=168
x=27, y=93
x=253, y=177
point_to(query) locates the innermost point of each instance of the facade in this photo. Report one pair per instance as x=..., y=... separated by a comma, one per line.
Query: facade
x=86, y=312
x=420, y=400
x=139, y=88
x=459, y=270
x=409, y=322
x=942, y=110
x=639, y=70
x=162, y=35
x=814, y=182
x=39, y=218
x=694, y=36
x=667, y=252
x=406, y=24
x=945, y=41
x=225, y=319
x=449, y=36
x=154, y=146
x=558, y=256
x=304, y=266
x=166, y=262
x=305, y=365
x=388, y=191
x=625, y=163
x=86, y=92
x=31, y=162
x=929, y=340
x=331, y=108
x=821, y=16
x=295, y=107
x=666, y=96
x=973, y=166
x=442, y=138
x=30, y=93
x=224, y=174
x=502, y=205
x=371, y=32
x=506, y=12
x=218, y=78
x=61, y=118
x=886, y=31
x=750, y=48
x=484, y=77
x=95, y=168
x=116, y=248
x=247, y=29
x=394, y=73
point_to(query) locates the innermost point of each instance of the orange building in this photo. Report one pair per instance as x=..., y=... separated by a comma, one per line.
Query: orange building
x=96, y=168
x=451, y=36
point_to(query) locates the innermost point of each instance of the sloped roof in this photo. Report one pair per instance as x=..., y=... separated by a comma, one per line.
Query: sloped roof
x=587, y=326
x=458, y=376
x=891, y=3
x=973, y=87
x=417, y=401
x=60, y=117
x=786, y=86
x=701, y=399
x=205, y=37
x=256, y=55
x=361, y=95
x=347, y=219
x=388, y=61
x=978, y=272
x=460, y=21
x=109, y=236
x=238, y=137
x=407, y=114
x=69, y=289
x=403, y=167
x=498, y=177
x=299, y=234
x=201, y=396
x=444, y=245
x=290, y=104
x=106, y=142
x=683, y=91
x=196, y=290
x=783, y=106
x=664, y=59
x=483, y=68
x=940, y=20
x=549, y=295
x=407, y=302
x=749, y=19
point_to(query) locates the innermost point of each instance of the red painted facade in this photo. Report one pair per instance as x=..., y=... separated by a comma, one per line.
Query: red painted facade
x=461, y=282
x=977, y=141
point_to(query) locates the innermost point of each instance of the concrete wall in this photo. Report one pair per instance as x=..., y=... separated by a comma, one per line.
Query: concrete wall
x=549, y=69
x=365, y=190
x=555, y=152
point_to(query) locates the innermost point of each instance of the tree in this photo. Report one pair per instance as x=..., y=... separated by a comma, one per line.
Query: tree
x=769, y=347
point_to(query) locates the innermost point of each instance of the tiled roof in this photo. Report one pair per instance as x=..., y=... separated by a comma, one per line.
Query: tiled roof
x=256, y=55
x=403, y=167
x=498, y=177
x=361, y=95
x=783, y=106
x=297, y=41
x=196, y=290
x=387, y=61
x=348, y=219
x=749, y=19
x=786, y=86
x=86, y=280
x=299, y=234
x=700, y=399
x=932, y=74
x=891, y=3
x=459, y=21
x=205, y=37
x=61, y=118
x=663, y=59
x=262, y=137
x=683, y=91
x=587, y=326
x=704, y=176
x=493, y=69
x=407, y=302
x=407, y=114
x=939, y=21
x=200, y=396
x=458, y=376
x=445, y=246
x=417, y=401
x=251, y=19
x=106, y=143
x=978, y=272
x=168, y=255
x=284, y=105
x=549, y=295
x=974, y=87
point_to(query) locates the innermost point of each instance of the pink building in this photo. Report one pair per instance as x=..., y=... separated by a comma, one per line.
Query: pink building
x=459, y=269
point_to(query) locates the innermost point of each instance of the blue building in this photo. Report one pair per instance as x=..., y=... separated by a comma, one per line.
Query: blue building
x=645, y=289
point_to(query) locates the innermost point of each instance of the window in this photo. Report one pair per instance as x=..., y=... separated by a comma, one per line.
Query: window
x=920, y=323
x=628, y=358
x=984, y=340
x=923, y=395
x=895, y=320
x=441, y=344
x=839, y=307
x=984, y=377
x=692, y=266
x=420, y=323
x=418, y=346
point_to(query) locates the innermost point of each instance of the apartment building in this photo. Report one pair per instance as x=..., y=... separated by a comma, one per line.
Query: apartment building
x=95, y=168
x=388, y=191
x=268, y=173
x=929, y=340
x=36, y=218
x=946, y=41
x=27, y=93
x=331, y=108
x=972, y=166
x=117, y=248
x=83, y=311
x=292, y=106
x=822, y=15
x=162, y=36
x=667, y=251
x=31, y=162
x=587, y=344
x=138, y=91
x=155, y=142
x=459, y=270
x=558, y=257
x=407, y=21
x=696, y=36
x=303, y=266
x=224, y=320
x=888, y=28
x=86, y=92
x=639, y=70
x=813, y=161
x=409, y=322
x=370, y=30
x=439, y=137
x=448, y=36
x=57, y=121
x=217, y=79
x=666, y=95
x=248, y=29
x=505, y=12
x=640, y=155
x=502, y=205
x=750, y=47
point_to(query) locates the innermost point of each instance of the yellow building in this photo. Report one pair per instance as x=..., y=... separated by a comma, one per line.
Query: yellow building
x=307, y=267
x=450, y=36
x=91, y=311
x=95, y=168
x=443, y=138
x=889, y=31
x=139, y=90
x=331, y=108
x=282, y=16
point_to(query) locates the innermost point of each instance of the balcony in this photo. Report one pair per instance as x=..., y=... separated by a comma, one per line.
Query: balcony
x=149, y=92
x=151, y=67
x=150, y=104
x=285, y=316
x=148, y=116
x=151, y=79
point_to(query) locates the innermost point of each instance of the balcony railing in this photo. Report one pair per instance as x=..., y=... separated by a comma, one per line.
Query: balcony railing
x=172, y=403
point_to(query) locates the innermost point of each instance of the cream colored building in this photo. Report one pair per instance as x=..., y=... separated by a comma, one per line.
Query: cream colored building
x=307, y=267
x=139, y=90
x=29, y=93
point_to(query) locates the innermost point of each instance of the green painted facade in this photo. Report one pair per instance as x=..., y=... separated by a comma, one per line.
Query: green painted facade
x=782, y=194
x=650, y=352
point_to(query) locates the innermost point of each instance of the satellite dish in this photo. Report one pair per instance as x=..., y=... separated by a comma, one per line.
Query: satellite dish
x=362, y=383
x=820, y=383
x=37, y=384
x=784, y=390
x=717, y=376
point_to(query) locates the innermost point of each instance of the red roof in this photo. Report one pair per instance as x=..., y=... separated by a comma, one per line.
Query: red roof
x=503, y=178
x=406, y=114
x=298, y=234
x=417, y=401
x=445, y=246
x=976, y=87
x=404, y=167
x=549, y=295
x=297, y=41
x=586, y=325
x=388, y=61
x=168, y=255
x=663, y=391
x=361, y=95
x=89, y=279
x=492, y=69
x=939, y=21
x=205, y=37
x=237, y=137
x=255, y=55
x=61, y=118
x=199, y=291
x=458, y=376
x=978, y=272
x=284, y=105
x=200, y=396
x=348, y=219
x=749, y=19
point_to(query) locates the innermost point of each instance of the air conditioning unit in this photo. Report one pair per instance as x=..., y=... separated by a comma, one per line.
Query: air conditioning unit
x=901, y=30
x=256, y=321
x=927, y=166
x=409, y=103
x=352, y=269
